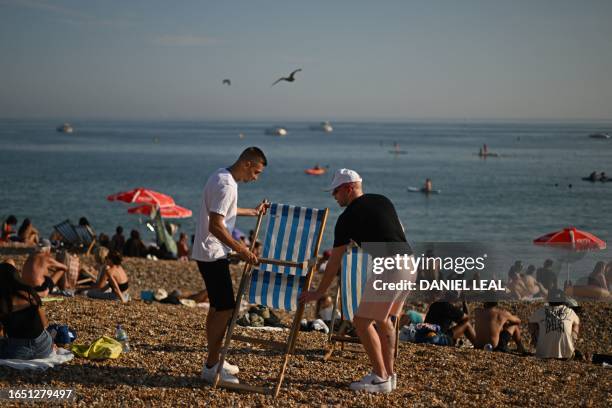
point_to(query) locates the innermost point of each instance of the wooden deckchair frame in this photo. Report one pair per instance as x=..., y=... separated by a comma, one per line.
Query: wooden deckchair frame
x=333, y=338
x=288, y=347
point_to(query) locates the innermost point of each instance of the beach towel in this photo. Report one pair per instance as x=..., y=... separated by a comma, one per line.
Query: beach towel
x=101, y=349
x=59, y=356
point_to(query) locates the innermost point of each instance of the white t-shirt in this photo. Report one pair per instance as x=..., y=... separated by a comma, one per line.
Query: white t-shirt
x=554, y=331
x=220, y=196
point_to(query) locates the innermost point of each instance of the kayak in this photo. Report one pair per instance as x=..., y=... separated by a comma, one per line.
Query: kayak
x=315, y=172
x=422, y=190
x=488, y=154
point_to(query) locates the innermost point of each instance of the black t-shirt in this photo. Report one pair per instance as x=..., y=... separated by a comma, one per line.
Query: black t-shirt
x=443, y=314
x=369, y=218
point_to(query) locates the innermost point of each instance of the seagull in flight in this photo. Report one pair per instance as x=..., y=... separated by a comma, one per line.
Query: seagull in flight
x=290, y=78
x=227, y=82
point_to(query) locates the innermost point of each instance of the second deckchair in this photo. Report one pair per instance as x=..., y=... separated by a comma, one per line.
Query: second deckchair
x=352, y=282
x=289, y=254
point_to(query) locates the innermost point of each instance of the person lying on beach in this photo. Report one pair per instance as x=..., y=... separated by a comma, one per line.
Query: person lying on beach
x=411, y=316
x=113, y=281
x=554, y=327
x=453, y=321
x=496, y=326
x=41, y=271
x=27, y=233
x=22, y=318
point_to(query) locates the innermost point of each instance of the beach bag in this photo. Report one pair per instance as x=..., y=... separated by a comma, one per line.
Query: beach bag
x=426, y=333
x=101, y=349
x=62, y=334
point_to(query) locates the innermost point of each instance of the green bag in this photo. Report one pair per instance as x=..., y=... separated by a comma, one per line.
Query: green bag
x=101, y=349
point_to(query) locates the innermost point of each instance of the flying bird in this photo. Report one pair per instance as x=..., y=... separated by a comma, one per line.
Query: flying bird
x=290, y=78
x=227, y=82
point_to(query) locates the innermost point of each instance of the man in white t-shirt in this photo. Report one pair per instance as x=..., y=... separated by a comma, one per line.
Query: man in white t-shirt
x=213, y=242
x=554, y=327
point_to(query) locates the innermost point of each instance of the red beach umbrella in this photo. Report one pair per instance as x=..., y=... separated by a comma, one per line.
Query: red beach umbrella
x=142, y=196
x=171, y=211
x=571, y=238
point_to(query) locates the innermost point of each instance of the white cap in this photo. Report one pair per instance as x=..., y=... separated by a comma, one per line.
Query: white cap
x=343, y=176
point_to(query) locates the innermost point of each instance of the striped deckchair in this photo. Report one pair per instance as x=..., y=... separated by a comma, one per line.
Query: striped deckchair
x=76, y=237
x=288, y=259
x=353, y=279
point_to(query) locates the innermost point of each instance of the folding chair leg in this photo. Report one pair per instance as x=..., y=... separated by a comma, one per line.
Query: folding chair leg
x=291, y=342
x=330, y=342
x=246, y=277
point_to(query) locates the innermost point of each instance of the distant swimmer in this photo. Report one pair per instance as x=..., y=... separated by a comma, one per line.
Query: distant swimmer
x=593, y=176
x=428, y=187
x=290, y=78
x=227, y=82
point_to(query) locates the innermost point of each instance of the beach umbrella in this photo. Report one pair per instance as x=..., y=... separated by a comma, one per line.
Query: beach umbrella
x=571, y=238
x=142, y=196
x=169, y=211
x=573, y=241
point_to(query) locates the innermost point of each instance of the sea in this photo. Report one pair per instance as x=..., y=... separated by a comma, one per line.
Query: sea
x=533, y=187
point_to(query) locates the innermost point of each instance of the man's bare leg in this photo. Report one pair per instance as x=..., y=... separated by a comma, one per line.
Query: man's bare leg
x=216, y=325
x=371, y=343
x=386, y=335
x=515, y=332
x=464, y=329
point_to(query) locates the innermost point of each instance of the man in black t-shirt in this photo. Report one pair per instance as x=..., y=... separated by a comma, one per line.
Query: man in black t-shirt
x=444, y=314
x=367, y=218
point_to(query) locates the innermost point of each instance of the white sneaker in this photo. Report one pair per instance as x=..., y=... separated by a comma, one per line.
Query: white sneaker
x=208, y=375
x=230, y=368
x=372, y=383
x=394, y=381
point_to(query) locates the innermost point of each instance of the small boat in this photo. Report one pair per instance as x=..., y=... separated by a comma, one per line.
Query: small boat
x=323, y=127
x=65, y=128
x=422, y=190
x=600, y=136
x=276, y=131
x=316, y=171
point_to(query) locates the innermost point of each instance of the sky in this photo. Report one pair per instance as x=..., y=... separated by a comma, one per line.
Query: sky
x=361, y=60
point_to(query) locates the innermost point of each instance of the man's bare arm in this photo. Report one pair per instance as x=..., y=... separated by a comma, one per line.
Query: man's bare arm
x=216, y=227
x=331, y=270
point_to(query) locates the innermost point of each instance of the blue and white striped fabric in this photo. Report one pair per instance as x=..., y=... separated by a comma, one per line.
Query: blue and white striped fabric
x=68, y=233
x=291, y=234
x=355, y=264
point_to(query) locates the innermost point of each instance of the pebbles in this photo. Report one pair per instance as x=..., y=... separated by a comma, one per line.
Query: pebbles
x=168, y=348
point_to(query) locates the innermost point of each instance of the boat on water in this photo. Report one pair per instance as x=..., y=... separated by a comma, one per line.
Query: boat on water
x=600, y=136
x=65, y=128
x=322, y=127
x=316, y=171
x=276, y=131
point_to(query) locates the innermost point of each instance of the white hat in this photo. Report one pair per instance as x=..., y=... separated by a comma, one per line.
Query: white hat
x=343, y=176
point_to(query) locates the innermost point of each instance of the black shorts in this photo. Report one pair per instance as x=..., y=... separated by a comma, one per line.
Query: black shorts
x=504, y=339
x=47, y=284
x=218, y=282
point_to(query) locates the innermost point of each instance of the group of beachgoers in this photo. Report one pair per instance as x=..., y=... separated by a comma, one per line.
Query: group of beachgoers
x=366, y=218
x=598, y=177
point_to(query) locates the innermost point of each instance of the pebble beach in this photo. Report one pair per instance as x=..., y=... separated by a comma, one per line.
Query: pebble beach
x=168, y=348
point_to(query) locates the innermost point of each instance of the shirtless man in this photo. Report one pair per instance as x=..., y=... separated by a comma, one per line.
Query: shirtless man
x=41, y=271
x=496, y=326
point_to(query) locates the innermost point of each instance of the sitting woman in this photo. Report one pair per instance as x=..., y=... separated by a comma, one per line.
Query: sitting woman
x=22, y=318
x=113, y=284
x=27, y=233
x=597, y=286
